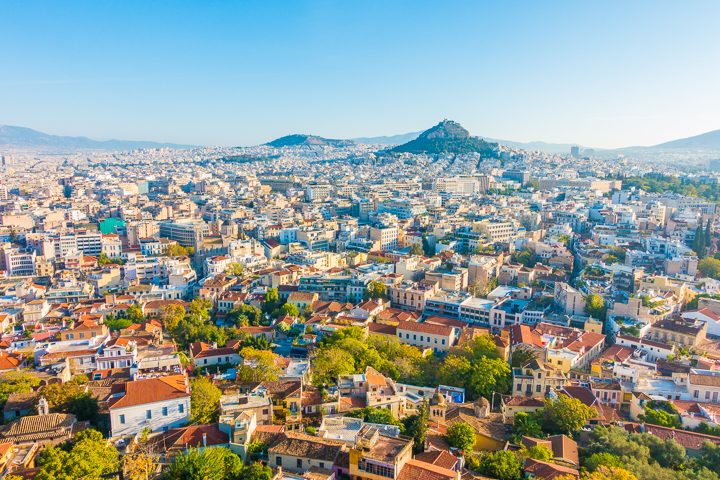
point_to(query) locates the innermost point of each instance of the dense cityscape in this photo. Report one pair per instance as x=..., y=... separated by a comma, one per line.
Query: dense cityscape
x=359, y=240
x=322, y=309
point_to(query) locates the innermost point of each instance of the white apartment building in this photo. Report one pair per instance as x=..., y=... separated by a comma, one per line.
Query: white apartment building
x=158, y=403
x=387, y=236
x=111, y=246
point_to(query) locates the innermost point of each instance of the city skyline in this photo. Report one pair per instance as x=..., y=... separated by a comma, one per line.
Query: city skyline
x=244, y=73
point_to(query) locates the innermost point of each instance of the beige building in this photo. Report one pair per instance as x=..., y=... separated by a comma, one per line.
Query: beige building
x=685, y=333
x=536, y=379
x=411, y=296
x=427, y=335
x=569, y=299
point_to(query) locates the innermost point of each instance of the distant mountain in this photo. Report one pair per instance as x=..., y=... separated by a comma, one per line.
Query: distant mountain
x=388, y=140
x=447, y=137
x=704, y=141
x=21, y=137
x=297, y=140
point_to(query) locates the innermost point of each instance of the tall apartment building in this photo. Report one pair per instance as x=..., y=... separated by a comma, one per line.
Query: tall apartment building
x=387, y=236
x=317, y=192
x=85, y=241
x=496, y=231
x=188, y=233
x=20, y=263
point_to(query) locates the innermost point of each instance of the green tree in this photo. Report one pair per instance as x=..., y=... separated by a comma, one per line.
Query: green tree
x=454, y=371
x=428, y=250
x=117, y=324
x=461, y=436
x=709, y=455
x=290, y=309
x=259, y=342
x=16, y=382
x=103, y=259
x=699, y=244
x=416, y=427
x=521, y=356
x=177, y=250
x=489, y=375
x=87, y=456
x=375, y=290
x=71, y=397
x=200, y=308
x=235, y=269
x=330, y=363
x=595, y=306
x=540, y=452
x=258, y=365
x=272, y=300
x=204, y=401
x=244, y=315
x=135, y=314
x=524, y=257
x=566, y=414
x=609, y=473
x=709, y=267
x=213, y=464
x=194, y=326
x=172, y=315
x=417, y=249
x=138, y=466
x=527, y=425
x=479, y=347
x=502, y=464
x=375, y=415
x=596, y=460
x=477, y=367
x=661, y=417
x=667, y=453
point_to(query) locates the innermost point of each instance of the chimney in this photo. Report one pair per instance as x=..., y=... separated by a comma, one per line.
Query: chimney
x=204, y=439
x=43, y=408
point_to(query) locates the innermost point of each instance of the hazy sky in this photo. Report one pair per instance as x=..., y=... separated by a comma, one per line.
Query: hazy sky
x=603, y=73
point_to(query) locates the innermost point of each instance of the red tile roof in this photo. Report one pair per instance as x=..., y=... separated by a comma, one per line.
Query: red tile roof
x=688, y=439
x=150, y=390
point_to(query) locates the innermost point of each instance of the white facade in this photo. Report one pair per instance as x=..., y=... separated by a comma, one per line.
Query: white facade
x=158, y=416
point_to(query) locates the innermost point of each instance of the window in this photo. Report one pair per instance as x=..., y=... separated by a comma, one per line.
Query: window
x=299, y=463
x=165, y=411
x=122, y=419
x=519, y=387
x=696, y=394
x=181, y=408
x=443, y=341
x=148, y=414
x=278, y=461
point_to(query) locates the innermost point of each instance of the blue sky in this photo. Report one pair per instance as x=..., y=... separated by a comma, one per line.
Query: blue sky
x=604, y=73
